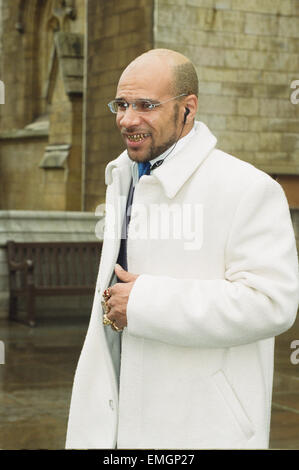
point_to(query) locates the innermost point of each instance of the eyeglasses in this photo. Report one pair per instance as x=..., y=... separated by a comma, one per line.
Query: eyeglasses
x=140, y=105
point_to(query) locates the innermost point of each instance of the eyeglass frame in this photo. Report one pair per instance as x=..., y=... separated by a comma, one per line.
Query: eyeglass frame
x=133, y=103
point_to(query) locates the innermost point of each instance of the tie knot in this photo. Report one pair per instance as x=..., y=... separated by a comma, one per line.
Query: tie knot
x=144, y=168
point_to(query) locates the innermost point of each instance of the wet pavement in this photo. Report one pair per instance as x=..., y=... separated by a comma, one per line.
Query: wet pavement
x=285, y=402
x=36, y=382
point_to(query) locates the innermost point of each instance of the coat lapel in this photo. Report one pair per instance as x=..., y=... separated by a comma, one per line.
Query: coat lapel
x=118, y=178
x=172, y=175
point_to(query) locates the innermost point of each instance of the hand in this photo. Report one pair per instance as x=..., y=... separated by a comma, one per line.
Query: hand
x=119, y=296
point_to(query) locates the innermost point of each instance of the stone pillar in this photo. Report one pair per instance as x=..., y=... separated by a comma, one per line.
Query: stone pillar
x=117, y=32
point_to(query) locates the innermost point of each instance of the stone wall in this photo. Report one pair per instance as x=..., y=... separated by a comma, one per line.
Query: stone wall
x=13, y=113
x=246, y=56
x=29, y=182
x=28, y=30
x=117, y=33
x=22, y=182
x=41, y=122
x=295, y=220
x=1, y=28
x=65, y=90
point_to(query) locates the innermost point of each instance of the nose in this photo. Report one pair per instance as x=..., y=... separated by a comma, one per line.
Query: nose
x=128, y=118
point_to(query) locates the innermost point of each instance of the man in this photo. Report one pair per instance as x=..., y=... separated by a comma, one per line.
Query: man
x=184, y=358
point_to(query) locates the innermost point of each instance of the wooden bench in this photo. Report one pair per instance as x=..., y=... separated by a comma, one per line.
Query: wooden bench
x=50, y=268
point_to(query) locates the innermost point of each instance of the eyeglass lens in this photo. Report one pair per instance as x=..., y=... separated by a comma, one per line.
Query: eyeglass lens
x=140, y=106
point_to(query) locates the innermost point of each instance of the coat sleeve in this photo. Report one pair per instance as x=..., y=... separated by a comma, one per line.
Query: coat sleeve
x=256, y=299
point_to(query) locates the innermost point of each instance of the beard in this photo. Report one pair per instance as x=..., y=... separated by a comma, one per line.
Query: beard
x=156, y=150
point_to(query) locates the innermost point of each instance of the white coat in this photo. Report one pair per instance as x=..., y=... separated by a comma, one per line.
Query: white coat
x=214, y=290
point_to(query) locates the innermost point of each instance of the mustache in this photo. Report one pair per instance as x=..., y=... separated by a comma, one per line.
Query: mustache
x=133, y=130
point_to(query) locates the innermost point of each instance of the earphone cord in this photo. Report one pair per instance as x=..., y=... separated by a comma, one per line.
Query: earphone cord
x=172, y=148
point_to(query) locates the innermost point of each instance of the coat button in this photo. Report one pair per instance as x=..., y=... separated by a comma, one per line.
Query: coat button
x=111, y=404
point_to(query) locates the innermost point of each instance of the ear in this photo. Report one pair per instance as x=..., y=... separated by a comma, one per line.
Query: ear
x=191, y=103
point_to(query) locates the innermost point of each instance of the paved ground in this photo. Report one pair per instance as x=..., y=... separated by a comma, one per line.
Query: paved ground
x=285, y=403
x=36, y=381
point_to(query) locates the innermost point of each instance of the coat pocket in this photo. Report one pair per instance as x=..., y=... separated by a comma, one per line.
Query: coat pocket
x=233, y=403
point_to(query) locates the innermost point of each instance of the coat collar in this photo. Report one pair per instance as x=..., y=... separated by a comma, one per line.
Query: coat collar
x=174, y=172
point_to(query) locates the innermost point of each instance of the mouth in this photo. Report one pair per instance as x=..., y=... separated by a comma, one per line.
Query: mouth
x=136, y=138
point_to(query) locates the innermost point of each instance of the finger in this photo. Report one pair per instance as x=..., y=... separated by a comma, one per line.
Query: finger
x=115, y=315
x=124, y=275
x=106, y=294
x=116, y=328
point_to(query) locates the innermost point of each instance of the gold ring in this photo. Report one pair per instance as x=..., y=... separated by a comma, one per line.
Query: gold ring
x=106, y=320
x=106, y=307
x=114, y=327
x=106, y=294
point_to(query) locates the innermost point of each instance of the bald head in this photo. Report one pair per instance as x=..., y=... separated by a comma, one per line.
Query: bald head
x=162, y=77
x=179, y=70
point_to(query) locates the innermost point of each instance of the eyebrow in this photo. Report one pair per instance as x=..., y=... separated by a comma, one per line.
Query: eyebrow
x=138, y=99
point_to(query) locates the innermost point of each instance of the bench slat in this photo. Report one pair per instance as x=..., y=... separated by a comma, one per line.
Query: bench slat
x=51, y=268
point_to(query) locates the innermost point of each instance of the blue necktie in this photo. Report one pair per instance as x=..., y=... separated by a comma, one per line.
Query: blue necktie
x=144, y=168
